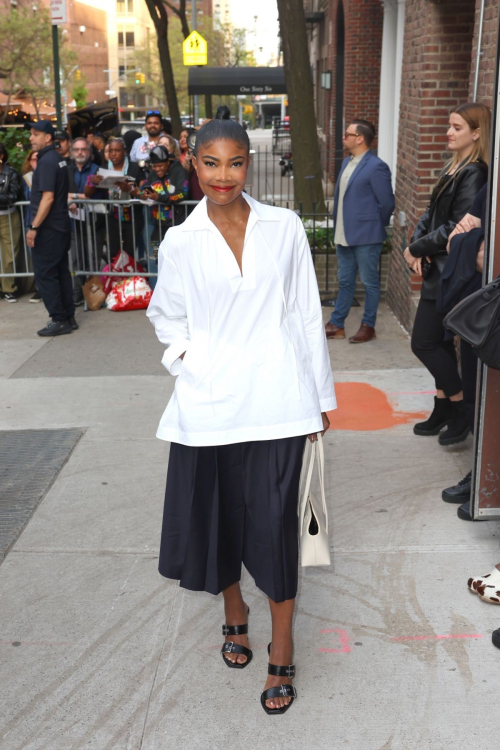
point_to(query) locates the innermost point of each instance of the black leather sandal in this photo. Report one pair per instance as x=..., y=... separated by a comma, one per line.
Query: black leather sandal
x=283, y=691
x=234, y=648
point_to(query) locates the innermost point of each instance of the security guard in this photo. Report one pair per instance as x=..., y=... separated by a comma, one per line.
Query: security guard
x=49, y=234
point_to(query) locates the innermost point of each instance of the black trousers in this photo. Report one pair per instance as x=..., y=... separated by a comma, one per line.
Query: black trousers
x=438, y=354
x=233, y=504
x=469, y=362
x=52, y=276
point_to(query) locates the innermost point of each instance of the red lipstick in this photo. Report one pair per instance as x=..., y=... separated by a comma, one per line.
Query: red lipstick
x=222, y=189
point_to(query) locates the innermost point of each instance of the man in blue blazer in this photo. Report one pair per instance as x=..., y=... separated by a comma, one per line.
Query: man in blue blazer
x=363, y=205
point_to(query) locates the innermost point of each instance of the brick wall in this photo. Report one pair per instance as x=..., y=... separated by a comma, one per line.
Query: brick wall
x=488, y=52
x=435, y=78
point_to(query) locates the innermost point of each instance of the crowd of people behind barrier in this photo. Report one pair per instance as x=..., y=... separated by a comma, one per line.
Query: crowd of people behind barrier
x=157, y=169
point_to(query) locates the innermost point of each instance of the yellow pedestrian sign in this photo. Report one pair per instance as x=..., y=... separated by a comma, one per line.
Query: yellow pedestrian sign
x=195, y=49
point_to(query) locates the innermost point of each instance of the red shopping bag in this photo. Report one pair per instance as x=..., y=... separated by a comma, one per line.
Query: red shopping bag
x=133, y=293
x=121, y=263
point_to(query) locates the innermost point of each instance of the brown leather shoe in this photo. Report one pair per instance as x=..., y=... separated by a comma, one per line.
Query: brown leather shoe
x=364, y=334
x=334, y=332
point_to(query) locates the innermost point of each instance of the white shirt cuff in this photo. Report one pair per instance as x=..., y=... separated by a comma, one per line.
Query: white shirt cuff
x=171, y=360
x=328, y=404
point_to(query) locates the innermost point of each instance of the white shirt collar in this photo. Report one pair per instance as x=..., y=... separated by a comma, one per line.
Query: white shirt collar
x=199, y=218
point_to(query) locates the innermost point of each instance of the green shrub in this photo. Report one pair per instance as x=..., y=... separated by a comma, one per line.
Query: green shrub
x=17, y=143
x=321, y=239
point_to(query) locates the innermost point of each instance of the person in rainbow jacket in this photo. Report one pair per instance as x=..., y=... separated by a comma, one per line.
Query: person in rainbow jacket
x=167, y=186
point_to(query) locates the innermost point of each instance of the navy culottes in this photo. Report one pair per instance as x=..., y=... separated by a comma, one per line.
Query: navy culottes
x=232, y=504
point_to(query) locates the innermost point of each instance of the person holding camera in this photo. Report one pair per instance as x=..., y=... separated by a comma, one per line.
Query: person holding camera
x=452, y=197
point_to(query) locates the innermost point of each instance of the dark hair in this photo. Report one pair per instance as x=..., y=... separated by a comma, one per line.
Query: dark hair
x=4, y=153
x=222, y=128
x=167, y=126
x=153, y=113
x=366, y=129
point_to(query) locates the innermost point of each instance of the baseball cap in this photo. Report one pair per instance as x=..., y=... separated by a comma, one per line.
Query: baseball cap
x=62, y=135
x=160, y=154
x=43, y=125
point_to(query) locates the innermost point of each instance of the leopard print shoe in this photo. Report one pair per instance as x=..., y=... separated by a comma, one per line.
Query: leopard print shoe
x=486, y=587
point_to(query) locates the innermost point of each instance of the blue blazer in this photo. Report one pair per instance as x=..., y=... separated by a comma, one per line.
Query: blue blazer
x=368, y=201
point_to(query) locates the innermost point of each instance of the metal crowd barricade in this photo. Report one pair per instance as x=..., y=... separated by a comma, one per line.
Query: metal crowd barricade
x=98, y=232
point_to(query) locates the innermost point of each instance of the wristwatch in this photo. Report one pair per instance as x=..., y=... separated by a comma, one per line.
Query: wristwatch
x=32, y=228
x=76, y=196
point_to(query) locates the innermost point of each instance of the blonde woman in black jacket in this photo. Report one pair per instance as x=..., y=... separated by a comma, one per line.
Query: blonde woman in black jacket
x=453, y=195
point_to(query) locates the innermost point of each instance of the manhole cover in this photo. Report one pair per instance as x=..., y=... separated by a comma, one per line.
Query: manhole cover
x=30, y=460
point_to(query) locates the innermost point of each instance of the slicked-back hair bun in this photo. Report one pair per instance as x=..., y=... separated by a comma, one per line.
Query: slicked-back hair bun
x=222, y=128
x=223, y=113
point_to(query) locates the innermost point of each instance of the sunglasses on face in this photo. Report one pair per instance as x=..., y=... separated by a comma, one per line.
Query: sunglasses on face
x=153, y=112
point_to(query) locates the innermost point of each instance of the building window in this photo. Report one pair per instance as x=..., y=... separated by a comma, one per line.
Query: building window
x=121, y=70
x=124, y=6
x=129, y=39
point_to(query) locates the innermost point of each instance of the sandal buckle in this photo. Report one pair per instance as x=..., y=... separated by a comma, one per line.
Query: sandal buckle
x=228, y=647
x=225, y=630
x=290, y=671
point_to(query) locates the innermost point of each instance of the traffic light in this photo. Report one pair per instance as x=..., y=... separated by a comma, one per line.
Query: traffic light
x=78, y=74
x=140, y=79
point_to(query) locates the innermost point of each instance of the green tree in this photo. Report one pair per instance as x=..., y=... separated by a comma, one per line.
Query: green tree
x=308, y=188
x=26, y=53
x=79, y=93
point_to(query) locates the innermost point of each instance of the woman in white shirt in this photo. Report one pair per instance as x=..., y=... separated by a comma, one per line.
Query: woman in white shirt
x=237, y=306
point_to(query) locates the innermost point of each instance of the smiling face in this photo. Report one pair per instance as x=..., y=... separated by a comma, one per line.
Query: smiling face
x=153, y=125
x=460, y=137
x=222, y=168
x=160, y=168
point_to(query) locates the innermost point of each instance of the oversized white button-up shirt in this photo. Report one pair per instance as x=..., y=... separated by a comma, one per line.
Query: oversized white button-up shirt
x=257, y=365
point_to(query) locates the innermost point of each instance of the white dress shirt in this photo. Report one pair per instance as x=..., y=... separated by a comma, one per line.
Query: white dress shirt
x=257, y=365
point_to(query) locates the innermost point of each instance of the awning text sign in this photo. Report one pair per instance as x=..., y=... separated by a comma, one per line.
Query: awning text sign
x=195, y=49
x=58, y=12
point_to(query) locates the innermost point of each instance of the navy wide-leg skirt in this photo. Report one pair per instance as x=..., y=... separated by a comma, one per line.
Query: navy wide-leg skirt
x=232, y=504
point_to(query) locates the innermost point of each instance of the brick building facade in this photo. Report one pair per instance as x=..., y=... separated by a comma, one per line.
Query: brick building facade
x=403, y=64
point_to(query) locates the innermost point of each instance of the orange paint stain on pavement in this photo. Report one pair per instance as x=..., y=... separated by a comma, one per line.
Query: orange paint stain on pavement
x=361, y=407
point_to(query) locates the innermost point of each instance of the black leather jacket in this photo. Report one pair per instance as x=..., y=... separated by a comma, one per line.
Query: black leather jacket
x=10, y=186
x=440, y=218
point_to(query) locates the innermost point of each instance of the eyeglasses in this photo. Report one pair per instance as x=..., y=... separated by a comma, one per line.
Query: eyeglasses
x=83, y=148
x=349, y=135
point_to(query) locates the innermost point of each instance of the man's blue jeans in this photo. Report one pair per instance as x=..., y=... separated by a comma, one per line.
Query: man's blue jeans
x=364, y=258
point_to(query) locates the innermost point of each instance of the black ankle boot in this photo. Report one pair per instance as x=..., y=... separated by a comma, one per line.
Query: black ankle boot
x=441, y=415
x=458, y=427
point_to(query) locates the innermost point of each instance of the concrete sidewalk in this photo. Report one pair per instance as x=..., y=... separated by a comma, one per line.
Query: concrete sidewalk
x=98, y=651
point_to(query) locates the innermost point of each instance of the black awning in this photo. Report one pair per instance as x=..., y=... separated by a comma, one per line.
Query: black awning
x=236, y=81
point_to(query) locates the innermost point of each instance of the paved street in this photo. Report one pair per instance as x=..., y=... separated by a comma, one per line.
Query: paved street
x=98, y=651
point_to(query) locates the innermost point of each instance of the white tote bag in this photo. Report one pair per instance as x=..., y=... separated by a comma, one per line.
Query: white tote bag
x=314, y=541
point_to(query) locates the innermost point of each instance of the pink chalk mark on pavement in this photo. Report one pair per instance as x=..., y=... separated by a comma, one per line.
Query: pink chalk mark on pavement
x=344, y=642
x=436, y=637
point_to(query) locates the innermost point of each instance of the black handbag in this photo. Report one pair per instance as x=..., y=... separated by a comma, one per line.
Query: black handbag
x=476, y=319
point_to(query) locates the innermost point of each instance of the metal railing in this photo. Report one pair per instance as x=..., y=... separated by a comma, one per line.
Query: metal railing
x=101, y=228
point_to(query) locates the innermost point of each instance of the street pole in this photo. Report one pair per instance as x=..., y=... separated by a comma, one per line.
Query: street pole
x=195, y=97
x=57, y=75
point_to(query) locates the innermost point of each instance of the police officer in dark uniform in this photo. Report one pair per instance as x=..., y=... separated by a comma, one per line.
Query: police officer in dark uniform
x=49, y=234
